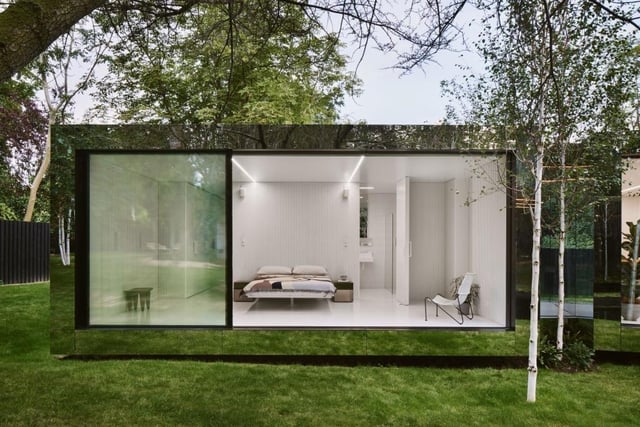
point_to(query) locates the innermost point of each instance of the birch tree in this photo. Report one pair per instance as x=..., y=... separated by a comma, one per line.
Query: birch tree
x=592, y=87
x=557, y=72
x=54, y=73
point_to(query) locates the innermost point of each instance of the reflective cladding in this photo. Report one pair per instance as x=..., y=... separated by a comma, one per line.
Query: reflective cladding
x=156, y=239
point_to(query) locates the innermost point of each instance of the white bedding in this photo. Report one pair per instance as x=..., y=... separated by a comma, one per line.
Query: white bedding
x=292, y=286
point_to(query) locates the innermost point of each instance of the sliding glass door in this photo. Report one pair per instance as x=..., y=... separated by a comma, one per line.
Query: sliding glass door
x=157, y=244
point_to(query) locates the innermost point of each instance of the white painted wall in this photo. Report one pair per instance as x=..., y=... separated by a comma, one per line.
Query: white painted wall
x=296, y=223
x=488, y=256
x=428, y=227
x=377, y=275
x=403, y=240
x=630, y=200
x=630, y=211
x=457, y=246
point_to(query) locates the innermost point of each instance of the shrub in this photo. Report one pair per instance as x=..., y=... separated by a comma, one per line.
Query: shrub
x=548, y=355
x=576, y=355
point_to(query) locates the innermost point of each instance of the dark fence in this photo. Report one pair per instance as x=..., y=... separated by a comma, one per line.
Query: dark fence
x=578, y=272
x=24, y=252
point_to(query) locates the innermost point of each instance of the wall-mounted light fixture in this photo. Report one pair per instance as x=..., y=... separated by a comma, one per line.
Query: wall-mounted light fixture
x=241, y=192
x=345, y=192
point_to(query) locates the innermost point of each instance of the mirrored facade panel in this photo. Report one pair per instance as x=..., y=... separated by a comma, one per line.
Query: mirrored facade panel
x=157, y=244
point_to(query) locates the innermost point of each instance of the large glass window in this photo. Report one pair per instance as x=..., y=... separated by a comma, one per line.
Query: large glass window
x=157, y=242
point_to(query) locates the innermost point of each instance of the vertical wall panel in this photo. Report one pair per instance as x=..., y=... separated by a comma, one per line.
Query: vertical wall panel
x=295, y=223
x=488, y=237
x=428, y=226
x=24, y=252
x=457, y=228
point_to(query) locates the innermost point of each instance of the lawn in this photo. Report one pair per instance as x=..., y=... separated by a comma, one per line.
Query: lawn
x=37, y=389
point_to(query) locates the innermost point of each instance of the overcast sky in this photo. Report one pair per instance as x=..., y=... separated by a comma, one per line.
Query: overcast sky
x=391, y=98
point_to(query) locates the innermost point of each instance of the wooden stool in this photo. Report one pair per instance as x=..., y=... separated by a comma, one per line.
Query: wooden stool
x=132, y=295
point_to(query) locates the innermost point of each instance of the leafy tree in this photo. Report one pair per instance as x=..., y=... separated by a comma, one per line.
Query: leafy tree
x=22, y=137
x=271, y=65
x=414, y=30
x=52, y=74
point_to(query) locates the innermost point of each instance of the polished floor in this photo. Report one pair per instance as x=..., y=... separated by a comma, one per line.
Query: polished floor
x=374, y=308
x=204, y=309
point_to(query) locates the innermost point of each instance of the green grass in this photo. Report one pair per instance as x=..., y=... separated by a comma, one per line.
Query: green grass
x=37, y=389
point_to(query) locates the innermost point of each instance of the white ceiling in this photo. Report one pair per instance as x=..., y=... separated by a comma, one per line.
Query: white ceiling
x=381, y=172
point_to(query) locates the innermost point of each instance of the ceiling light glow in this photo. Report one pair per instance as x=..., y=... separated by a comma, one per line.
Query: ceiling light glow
x=356, y=169
x=235, y=162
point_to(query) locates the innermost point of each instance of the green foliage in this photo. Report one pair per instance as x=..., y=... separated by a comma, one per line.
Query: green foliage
x=578, y=355
x=548, y=354
x=7, y=214
x=257, y=62
x=575, y=356
x=22, y=138
x=574, y=95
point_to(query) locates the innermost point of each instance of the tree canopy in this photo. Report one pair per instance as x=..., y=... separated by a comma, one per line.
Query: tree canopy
x=413, y=30
x=271, y=64
x=22, y=137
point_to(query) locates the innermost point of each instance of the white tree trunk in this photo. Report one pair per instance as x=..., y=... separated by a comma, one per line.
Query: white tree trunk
x=535, y=276
x=561, y=250
x=42, y=172
x=64, y=230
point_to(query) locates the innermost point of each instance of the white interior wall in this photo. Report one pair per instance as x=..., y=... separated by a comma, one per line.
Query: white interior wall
x=630, y=211
x=630, y=200
x=457, y=247
x=402, y=270
x=488, y=238
x=428, y=229
x=375, y=275
x=296, y=223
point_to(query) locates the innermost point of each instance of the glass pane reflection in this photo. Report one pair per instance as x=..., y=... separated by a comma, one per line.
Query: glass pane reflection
x=157, y=240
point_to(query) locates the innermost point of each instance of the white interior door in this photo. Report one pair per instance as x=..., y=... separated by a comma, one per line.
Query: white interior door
x=403, y=242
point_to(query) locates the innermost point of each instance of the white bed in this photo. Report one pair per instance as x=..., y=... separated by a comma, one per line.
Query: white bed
x=301, y=281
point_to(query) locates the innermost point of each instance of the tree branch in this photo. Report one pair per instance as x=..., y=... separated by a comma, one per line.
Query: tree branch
x=27, y=28
x=615, y=14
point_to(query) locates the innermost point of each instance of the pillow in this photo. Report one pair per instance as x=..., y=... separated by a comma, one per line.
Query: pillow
x=314, y=270
x=273, y=270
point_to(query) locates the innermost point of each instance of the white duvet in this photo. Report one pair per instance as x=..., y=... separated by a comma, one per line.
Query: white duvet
x=287, y=285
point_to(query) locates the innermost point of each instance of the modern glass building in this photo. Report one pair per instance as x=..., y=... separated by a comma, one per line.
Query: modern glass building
x=210, y=240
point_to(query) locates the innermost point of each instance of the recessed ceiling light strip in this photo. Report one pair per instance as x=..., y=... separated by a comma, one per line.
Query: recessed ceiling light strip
x=235, y=162
x=356, y=169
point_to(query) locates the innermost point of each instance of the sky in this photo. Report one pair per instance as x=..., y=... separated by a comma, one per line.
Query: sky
x=392, y=98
